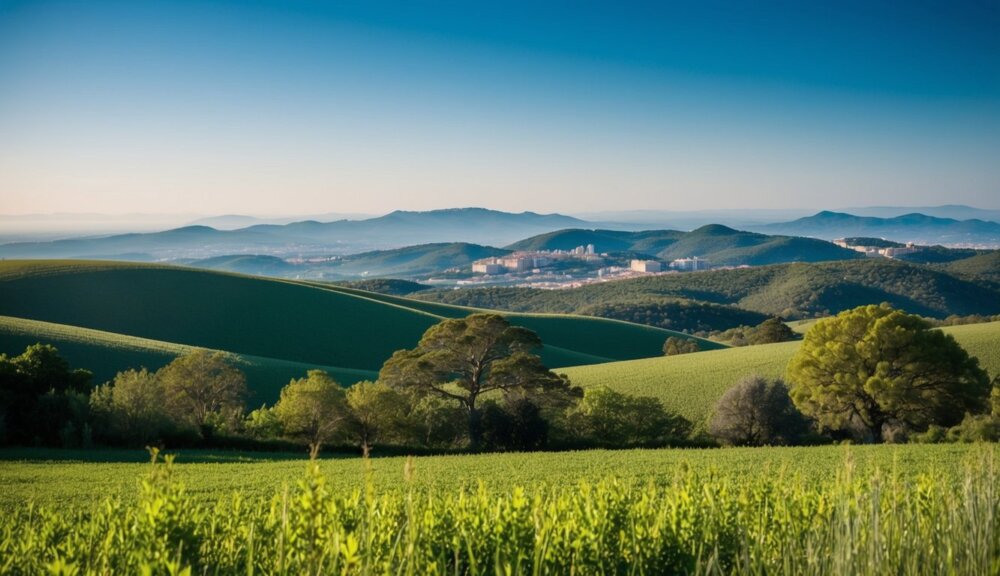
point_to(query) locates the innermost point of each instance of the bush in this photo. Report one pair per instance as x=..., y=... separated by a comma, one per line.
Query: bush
x=757, y=412
x=608, y=418
x=674, y=346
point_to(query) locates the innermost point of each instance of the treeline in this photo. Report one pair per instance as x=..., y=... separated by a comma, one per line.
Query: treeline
x=872, y=374
x=470, y=384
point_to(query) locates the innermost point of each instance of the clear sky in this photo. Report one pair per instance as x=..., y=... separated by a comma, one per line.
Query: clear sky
x=306, y=107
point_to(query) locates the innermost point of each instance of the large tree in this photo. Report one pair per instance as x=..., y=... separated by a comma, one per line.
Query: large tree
x=466, y=358
x=313, y=409
x=873, y=367
x=755, y=412
x=203, y=388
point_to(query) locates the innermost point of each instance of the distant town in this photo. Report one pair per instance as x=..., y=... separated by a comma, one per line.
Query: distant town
x=555, y=269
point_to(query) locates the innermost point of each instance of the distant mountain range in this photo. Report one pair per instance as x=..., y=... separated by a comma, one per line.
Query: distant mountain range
x=400, y=228
x=766, y=243
x=918, y=228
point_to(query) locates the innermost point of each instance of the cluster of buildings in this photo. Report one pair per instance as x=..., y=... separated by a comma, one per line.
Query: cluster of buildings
x=680, y=264
x=526, y=261
x=879, y=251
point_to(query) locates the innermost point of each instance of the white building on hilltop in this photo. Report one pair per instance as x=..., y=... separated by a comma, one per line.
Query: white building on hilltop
x=690, y=264
x=646, y=266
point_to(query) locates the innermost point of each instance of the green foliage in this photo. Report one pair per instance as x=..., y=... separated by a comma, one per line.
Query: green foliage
x=42, y=400
x=465, y=359
x=263, y=423
x=770, y=331
x=132, y=409
x=204, y=390
x=699, y=522
x=691, y=384
x=674, y=346
x=313, y=409
x=875, y=367
x=608, y=418
x=757, y=412
x=377, y=412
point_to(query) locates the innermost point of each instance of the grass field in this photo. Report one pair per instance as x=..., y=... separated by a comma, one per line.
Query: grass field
x=275, y=321
x=76, y=478
x=690, y=384
x=907, y=510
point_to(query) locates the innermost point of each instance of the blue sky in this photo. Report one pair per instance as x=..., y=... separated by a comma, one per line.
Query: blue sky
x=298, y=107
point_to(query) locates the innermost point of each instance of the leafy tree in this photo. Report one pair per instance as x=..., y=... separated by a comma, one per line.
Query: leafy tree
x=464, y=359
x=376, y=410
x=263, y=423
x=608, y=418
x=757, y=412
x=770, y=331
x=203, y=388
x=875, y=367
x=131, y=408
x=313, y=409
x=674, y=346
x=38, y=395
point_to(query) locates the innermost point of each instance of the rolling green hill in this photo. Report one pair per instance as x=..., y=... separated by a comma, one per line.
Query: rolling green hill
x=106, y=353
x=690, y=384
x=307, y=324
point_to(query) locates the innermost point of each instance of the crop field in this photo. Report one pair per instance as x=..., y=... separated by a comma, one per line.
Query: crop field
x=690, y=384
x=301, y=323
x=831, y=510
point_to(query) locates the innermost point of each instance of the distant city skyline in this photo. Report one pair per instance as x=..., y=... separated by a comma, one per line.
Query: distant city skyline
x=300, y=107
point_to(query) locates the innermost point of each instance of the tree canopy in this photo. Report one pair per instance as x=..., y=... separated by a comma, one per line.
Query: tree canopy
x=874, y=367
x=466, y=358
x=203, y=388
x=313, y=409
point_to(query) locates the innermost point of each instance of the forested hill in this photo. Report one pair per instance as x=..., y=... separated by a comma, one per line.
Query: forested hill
x=724, y=298
x=719, y=244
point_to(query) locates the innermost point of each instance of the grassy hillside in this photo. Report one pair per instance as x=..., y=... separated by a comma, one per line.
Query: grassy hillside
x=310, y=324
x=106, y=353
x=691, y=383
x=789, y=290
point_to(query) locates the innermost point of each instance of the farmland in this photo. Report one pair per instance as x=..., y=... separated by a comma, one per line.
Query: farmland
x=918, y=509
x=691, y=383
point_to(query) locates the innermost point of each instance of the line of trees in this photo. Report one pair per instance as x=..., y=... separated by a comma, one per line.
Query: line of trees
x=871, y=374
x=470, y=384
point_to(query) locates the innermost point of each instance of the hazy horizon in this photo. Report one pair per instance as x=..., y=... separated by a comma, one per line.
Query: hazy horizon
x=286, y=108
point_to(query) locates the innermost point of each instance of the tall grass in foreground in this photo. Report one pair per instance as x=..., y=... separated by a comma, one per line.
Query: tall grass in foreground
x=700, y=524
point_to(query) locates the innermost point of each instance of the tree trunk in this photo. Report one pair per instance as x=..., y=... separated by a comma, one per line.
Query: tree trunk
x=475, y=428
